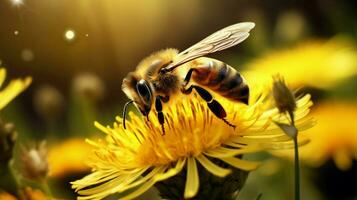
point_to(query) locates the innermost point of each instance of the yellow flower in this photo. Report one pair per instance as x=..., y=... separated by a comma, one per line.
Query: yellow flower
x=32, y=194
x=26, y=193
x=333, y=137
x=14, y=88
x=68, y=157
x=6, y=196
x=318, y=64
x=130, y=161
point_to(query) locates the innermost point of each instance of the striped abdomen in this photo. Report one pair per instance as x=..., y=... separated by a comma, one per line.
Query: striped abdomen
x=222, y=79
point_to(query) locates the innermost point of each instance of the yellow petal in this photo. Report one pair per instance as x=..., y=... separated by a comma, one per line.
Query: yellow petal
x=112, y=186
x=256, y=140
x=109, y=187
x=154, y=172
x=227, y=152
x=2, y=76
x=284, y=145
x=143, y=188
x=159, y=177
x=192, y=179
x=95, y=178
x=14, y=88
x=241, y=164
x=171, y=172
x=211, y=167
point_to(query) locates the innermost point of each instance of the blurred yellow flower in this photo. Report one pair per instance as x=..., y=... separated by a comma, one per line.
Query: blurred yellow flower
x=316, y=63
x=68, y=157
x=26, y=193
x=14, y=88
x=130, y=161
x=334, y=136
x=29, y=193
x=6, y=196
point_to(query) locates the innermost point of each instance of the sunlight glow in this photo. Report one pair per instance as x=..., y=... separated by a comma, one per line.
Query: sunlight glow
x=17, y=2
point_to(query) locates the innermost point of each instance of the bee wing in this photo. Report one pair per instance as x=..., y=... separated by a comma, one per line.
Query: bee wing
x=218, y=41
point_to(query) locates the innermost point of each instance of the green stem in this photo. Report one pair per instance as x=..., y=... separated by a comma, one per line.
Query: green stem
x=46, y=188
x=11, y=183
x=14, y=174
x=297, y=169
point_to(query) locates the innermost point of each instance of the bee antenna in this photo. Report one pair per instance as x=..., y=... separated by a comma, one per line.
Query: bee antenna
x=229, y=124
x=124, y=111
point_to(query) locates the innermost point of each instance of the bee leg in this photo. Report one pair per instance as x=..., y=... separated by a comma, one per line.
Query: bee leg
x=160, y=115
x=213, y=104
x=188, y=77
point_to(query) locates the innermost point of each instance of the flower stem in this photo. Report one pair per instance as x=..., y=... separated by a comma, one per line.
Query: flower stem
x=11, y=183
x=297, y=169
x=46, y=188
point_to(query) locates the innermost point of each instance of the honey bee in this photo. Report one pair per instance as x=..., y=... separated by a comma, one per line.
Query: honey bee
x=166, y=73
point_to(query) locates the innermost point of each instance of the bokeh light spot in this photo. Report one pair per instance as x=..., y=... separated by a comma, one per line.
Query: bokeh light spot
x=70, y=35
x=27, y=55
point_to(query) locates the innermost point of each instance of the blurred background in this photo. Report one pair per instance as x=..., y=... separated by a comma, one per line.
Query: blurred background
x=78, y=52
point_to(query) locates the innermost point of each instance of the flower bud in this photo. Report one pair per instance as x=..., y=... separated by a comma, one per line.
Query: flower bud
x=284, y=98
x=34, y=161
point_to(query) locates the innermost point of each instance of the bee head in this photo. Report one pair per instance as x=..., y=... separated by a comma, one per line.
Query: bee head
x=139, y=92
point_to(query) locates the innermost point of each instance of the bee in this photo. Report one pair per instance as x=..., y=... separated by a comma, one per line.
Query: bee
x=166, y=73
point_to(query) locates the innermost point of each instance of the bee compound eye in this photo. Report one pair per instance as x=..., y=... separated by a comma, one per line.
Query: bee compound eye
x=144, y=91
